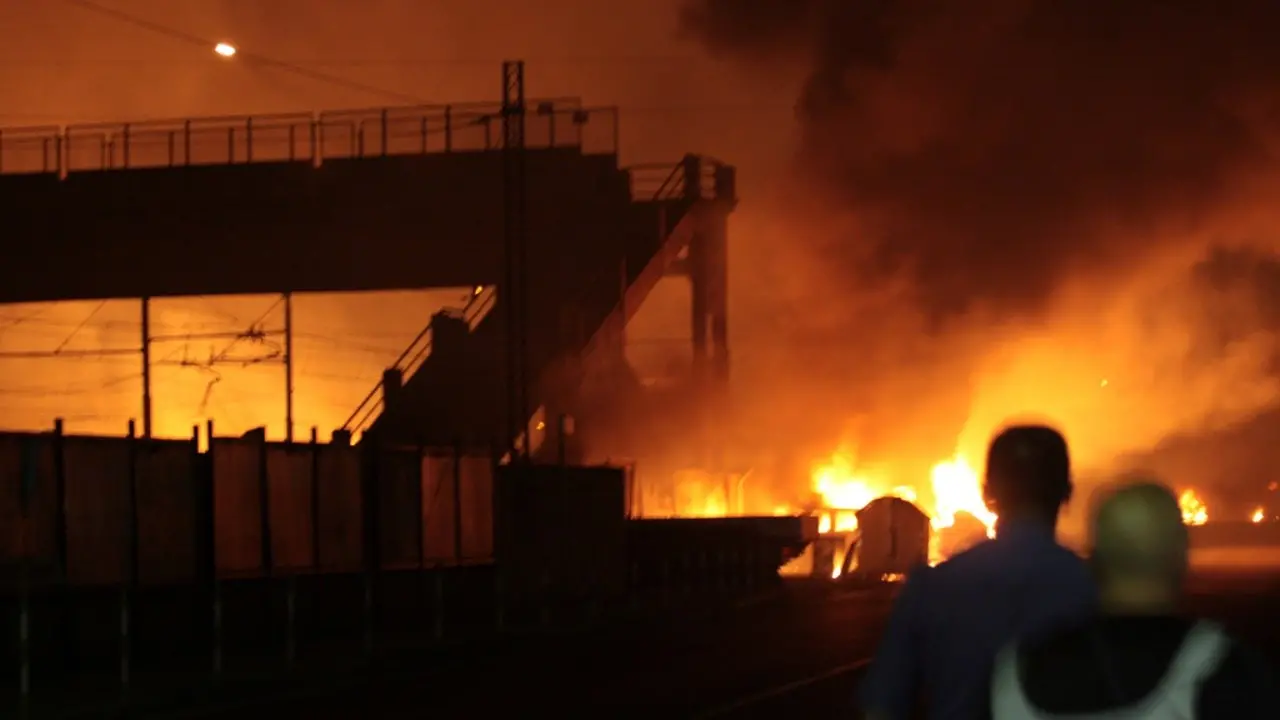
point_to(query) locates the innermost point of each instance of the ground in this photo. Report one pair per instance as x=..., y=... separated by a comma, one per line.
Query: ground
x=793, y=655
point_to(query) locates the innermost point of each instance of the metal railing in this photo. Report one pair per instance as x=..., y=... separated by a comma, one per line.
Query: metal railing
x=482, y=301
x=662, y=181
x=656, y=181
x=301, y=137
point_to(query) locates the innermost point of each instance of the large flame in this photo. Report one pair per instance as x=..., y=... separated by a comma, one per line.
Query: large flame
x=1194, y=511
x=954, y=487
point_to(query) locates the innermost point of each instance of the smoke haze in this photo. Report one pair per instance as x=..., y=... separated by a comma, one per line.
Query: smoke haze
x=1028, y=197
x=953, y=212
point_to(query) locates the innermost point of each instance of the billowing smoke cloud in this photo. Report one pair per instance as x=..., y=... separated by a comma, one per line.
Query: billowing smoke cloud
x=989, y=150
x=1045, y=209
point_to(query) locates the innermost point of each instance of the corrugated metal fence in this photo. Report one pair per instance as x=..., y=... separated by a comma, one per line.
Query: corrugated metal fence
x=107, y=511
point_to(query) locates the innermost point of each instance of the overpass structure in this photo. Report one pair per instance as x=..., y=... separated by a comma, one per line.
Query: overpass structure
x=389, y=198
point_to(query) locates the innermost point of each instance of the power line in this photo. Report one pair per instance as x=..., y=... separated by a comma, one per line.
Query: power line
x=66, y=354
x=418, y=62
x=241, y=55
x=80, y=326
x=253, y=333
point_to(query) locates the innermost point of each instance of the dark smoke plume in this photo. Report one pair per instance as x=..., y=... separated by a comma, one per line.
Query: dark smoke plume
x=988, y=149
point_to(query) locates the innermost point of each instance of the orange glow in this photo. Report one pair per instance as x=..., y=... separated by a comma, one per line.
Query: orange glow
x=225, y=49
x=1194, y=511
x=954, y=487
x=1257, y=516
x=209, y=360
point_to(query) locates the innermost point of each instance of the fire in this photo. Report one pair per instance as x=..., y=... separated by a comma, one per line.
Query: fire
x=954, y=487
x=839, y=521
x=842, y=487
x=1194, y=511
x=1257, y=516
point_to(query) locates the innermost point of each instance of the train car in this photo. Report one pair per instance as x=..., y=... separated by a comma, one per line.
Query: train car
x=892, y=540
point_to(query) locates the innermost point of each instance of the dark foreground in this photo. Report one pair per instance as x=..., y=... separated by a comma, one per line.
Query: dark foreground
x=1245, y=600
x=791, y=653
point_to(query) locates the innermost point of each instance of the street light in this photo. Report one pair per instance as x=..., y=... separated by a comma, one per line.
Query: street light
x=225, y=49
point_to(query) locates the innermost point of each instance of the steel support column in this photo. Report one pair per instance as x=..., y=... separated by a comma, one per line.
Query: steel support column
x=514, y=293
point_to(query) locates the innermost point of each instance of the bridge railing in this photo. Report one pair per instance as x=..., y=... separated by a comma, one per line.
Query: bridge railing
x=693, y=178
x=301, y=137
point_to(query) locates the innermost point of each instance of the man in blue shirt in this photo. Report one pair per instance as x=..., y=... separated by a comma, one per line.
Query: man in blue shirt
x=950, y=621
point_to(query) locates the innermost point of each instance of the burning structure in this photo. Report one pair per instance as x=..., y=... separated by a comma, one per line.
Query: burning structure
x=1097, y=252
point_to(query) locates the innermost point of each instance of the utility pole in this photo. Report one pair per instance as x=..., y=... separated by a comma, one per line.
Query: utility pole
x=288, y=367
x=516, y=258
x=146, y=367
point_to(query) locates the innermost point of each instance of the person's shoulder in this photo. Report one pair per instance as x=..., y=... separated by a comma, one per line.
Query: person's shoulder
x=995, y=553
x=980, y=553
x=1067, y=561
x=1243, y=685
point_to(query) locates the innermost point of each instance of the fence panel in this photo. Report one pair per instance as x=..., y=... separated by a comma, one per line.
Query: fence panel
x=477, y=508
x=168, y=522
x=337, y=137
x=29, y=151
x=98, y=474
x=398, y=485
x=475, y=130
x=237, y=506
x=150, y=147
x=289, y=492
x=439, y=510
x=88, y=148
x=280, y=139
x=339, y=509
x=28, y=501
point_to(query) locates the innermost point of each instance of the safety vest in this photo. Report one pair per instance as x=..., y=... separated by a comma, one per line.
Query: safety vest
x=1174, y=698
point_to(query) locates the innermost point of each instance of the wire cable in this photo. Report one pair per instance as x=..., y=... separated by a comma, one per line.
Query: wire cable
x=70, y=336
x=241, y=55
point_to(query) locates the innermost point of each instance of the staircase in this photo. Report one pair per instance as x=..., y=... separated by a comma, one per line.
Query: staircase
x=665, y=208
x=600, y=366
x=417, y=355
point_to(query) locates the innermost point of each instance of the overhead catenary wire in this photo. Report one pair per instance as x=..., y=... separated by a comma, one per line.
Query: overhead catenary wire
x=314, y=64
x=80, y=326
x=242, y=55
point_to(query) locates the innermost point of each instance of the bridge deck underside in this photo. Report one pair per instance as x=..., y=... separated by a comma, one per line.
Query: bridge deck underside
x=361, y=224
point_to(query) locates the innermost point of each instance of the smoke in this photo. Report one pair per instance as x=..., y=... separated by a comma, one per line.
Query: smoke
x=992, y=149
x=1071, y=200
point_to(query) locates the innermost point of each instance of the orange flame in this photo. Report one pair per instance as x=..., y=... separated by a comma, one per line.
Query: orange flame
x=954, y=487
x=1194, y=511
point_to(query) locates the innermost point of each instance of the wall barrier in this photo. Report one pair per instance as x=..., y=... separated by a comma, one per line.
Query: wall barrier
x=144, y=573
x=98, y=511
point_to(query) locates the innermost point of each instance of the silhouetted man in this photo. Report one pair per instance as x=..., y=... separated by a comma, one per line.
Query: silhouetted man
x=1137, y=659
x=951, y=620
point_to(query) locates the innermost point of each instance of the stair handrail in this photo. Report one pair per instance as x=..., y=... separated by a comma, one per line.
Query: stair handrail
x=647, y=278
x=482, y=301
x=673, y=186
x=416, y=353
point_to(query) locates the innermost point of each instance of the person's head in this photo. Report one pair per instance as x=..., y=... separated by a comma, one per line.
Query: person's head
x=1028, y=475
x=1139, y=548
